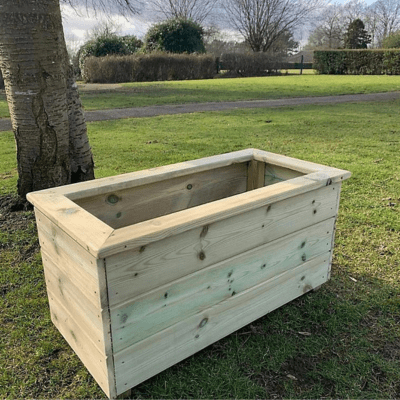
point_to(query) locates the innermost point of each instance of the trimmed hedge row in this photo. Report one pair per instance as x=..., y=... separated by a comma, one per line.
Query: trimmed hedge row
x=148, y=67
x=250, y=64
x=357, y=62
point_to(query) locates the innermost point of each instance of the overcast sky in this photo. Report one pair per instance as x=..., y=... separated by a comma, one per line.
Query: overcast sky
x=77, y=23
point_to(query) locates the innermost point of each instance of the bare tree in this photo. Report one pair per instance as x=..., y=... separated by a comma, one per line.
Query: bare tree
x=352, y=10
x=387, y=15
x=262, y=22
x=46, y=112
x=196, y=10
x=331, y=26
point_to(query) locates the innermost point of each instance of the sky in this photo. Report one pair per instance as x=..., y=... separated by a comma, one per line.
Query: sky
x=77, y=23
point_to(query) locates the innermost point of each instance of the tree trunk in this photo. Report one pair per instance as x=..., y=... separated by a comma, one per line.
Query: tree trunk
x=46, y=113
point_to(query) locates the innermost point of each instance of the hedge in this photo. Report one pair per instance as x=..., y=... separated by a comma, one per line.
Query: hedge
x=357, y=62
x=249, y=64
x=148, y=67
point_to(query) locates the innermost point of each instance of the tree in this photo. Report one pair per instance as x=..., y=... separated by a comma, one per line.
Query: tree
x=262, y=22
x=46, y=112
x=387, y=15
x=328, y=33
x=285, y=45
x=175, y=35
x=392, y=41
x=195, y=10
x=356, y=36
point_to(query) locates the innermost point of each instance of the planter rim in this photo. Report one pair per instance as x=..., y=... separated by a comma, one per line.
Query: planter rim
x=101, y=240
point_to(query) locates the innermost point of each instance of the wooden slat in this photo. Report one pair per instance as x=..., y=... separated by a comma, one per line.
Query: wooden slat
x=152, y=312
x=138, y=178
x=85, y=314
x=169, y=225
x=77, y=338
x=76, y=281
x=256, y=173
x=305, y=167
x=138, y=271
x=276, y=174
x=71, y=258
x=168, y=196
x=88, y=231
x=151, y=356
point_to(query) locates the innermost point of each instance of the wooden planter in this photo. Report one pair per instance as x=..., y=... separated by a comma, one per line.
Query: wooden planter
x=147, y=268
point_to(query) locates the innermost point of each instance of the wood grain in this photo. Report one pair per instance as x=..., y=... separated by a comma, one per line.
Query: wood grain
x=256, y=172
x=77, y=338
x=166, y=197
x=158, y=352
x=138, y=271
x=275, y=174
x=152, y=312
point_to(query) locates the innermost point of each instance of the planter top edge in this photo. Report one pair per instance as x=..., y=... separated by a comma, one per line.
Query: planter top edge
x=87, y=230
x=146, y=232
x=132, y=179
x=101, y=240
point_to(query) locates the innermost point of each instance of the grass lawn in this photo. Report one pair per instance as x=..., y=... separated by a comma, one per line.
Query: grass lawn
x=342, y=341
x=272, y=87
x=180, y=92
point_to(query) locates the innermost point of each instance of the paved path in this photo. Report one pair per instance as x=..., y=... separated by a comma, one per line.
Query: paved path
x=151, y=111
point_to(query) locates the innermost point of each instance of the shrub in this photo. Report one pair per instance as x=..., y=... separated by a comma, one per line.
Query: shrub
x=249, y=64
x=176, y=35
x=392, y=41
x=105, y=45
x=357, y=62
x=149, y=67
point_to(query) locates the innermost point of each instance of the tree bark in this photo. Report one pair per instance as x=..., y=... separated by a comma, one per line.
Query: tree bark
x=46, y=113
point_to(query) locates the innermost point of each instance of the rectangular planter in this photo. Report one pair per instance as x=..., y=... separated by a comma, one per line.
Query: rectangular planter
x=147, y=268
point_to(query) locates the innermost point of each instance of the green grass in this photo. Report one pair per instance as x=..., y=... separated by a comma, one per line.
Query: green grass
x=272, y=87
x=340, y=342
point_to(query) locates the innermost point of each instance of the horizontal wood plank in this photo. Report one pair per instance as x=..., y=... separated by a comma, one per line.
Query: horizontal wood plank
x=77, y=338
x=164, y=306
x=85, y=314
x=75, y=280
x=71, y=258
x=305, y=167
x=84, y=228
x=138, y=271
x=130, y=206
x=275, y=174
x=151, y=356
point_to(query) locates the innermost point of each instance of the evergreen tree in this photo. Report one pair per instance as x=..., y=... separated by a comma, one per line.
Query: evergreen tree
x=356, y=36
x=175, y=35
